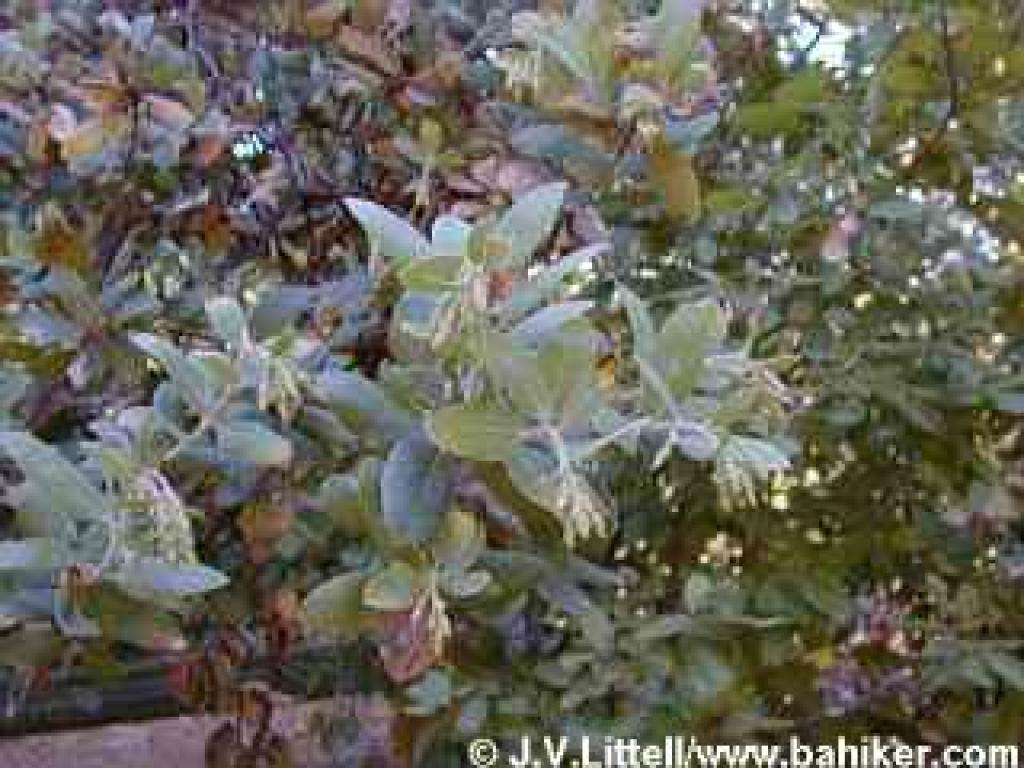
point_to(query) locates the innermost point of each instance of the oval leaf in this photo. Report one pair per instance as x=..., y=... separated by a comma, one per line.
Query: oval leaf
x=148, y=575
x=530, y=220
x=253, y=443
x=475, y=432
x=393, y=589
x=392, y=239
x=415, y=488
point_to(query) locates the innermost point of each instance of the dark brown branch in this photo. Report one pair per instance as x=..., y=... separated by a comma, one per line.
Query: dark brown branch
x=952, y=76
x=143, y=691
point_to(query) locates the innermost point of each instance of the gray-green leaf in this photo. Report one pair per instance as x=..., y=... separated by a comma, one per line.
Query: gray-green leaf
x=147, y=575
x=392, y=239
x=337, y=603
x=529, y=221
x=431, y=694
x=251, y=442
x=416, y=488
x=53, y=493
x=227, y=320
x=31, y=554
x=393, y=589
x=475, y=431
x=363, y=403
x=186, y=374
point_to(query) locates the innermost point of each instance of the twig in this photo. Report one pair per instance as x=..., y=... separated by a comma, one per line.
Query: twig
x=951, y=72
x=143, y=690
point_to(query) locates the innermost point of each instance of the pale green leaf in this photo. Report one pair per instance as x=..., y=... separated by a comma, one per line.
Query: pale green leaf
x=148, y=575
x=336, y=604
x=686, y=337
x=475, y=431
x=449, y=237
x=641, y=324
x=392, y=239
x=54, y=493
x=463, y=584
x=1007, y=667
x=341, y=499
x=537, y=327
x=548, y=284
x=460, y=540
x=253, y=443
x=363, y=404
x=432, y=693
x=528, y=222
x=393, y=589
x=433, y=274
x=31, y=554
x=227, y=320
x=186, y=374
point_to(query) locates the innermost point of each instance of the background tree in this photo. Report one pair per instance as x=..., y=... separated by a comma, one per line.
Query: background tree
x=613, y=367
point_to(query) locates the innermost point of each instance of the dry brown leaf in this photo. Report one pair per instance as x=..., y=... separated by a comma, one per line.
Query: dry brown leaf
x=105, y=93
x=501, y=285
x=208, y=148
x=212, y=224
x=60, y=244
x=673, y=175
x=370, y=14
x=169, y=113
x=75, y=138
x=321, y=18
x=368, y=49
x=262, y=526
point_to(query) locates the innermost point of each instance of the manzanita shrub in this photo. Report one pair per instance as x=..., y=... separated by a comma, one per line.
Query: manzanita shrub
x=592, y=367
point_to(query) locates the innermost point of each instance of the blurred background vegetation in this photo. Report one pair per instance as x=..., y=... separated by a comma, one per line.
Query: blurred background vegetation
x=838, y=185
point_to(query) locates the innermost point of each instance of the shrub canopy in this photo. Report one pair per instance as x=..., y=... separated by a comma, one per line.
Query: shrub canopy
x=595, y=367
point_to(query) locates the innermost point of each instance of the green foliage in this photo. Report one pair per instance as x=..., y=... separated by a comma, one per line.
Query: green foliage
x=600, y=366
